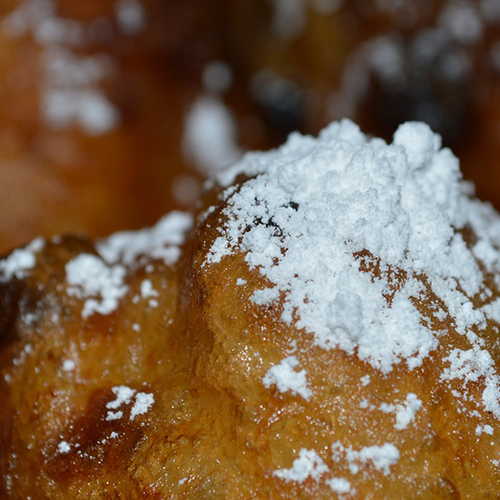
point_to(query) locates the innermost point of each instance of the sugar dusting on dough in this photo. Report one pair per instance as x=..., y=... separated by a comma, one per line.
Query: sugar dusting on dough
x=308, y=465
x=380, y=457
x=100, y=285
x=100, y=280
x=287, y=379
x=142, y=404
x=315, y=210
x=20, y=261
x=161, y=241
x=405, y=412
x=124, y=396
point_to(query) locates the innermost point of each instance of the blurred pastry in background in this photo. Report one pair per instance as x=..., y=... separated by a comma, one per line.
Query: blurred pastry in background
x=115, y=111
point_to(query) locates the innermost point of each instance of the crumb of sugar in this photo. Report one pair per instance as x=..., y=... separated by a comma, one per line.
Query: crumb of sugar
x=114, y=415
x=147, y=289
x=380, y=457
x=142, y=404
x=63, y=447
x=340, y=485
x=101, y=286
x=308, y=465
x=486, y=429
x=462, y=21
x=161, y=241
x=365, y=380
x=405, y=412
x=124, y=395
x=343, y=195
x=87, y=108
x=285, y=378
x=21, y=260
x=68, y=365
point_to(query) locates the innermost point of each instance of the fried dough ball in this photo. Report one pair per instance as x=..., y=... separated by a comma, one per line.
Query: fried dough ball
x=324, y=326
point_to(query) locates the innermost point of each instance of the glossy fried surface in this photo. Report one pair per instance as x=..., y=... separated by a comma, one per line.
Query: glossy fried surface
x=202, y=348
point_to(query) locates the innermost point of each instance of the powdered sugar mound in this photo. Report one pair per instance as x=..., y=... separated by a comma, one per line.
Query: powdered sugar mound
x=317, y=214
x=162, y=241
x=101, y=286
x=308, y=465
x=379, y=457
x=20, y=261
x=287, y=379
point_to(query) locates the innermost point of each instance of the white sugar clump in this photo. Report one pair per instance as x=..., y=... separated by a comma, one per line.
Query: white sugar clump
x=405, y=412
x=161, y=241
x=124, y=396
x=20, y=261
x=340, y=485
x=316, y=210
x=308, y=465
x=142, y=404
x=63, y=447
x=68, y=365
x=102, y=286
x=285, y=378
x=379, y=457
x=147, y=289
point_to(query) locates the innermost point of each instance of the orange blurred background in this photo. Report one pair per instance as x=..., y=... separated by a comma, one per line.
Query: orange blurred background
x=114, y=111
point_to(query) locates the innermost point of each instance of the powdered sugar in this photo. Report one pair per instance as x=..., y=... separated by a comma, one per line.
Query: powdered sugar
x=405, y=412
x=161, y=242
x=340, y=485
x=318, y=214
x=124, y=396
x=63, y=447
x=100, y=285
x=379, y=457
x=287, y=379
x=131, y=16
x=143, y=403
x=20, y=261
x=308, y=465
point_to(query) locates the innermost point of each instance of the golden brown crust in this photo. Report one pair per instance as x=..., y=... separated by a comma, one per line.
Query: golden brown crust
x=214, y=430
